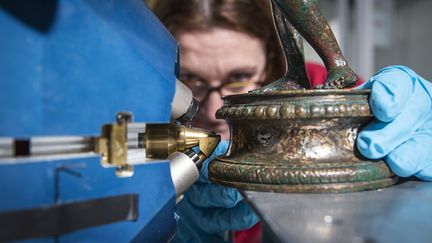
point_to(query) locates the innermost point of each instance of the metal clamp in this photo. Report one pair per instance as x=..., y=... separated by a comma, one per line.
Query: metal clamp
x=112, y=145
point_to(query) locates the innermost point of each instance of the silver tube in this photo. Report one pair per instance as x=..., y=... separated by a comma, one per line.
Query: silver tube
x=60, y=145
x=133, y=131
x=6, y=147
x=136, y=156
x=60, y=149
x=55, y=140
x=183, y=172
x=184, y=106
x=136, y=127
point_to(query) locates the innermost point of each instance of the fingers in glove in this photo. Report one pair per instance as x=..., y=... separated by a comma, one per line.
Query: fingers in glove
x=426, y=173
x=392, y=88
x=414, y=156
x=379, y=138
x=215, y=220
x=219, y=150
x=208, y=195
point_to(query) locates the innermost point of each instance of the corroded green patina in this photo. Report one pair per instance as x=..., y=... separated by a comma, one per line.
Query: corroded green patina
x=288, y=139
x=298, y=141
x=294, y=19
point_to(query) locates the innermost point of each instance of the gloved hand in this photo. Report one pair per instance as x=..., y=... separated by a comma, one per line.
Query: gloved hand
x=208, y=210
x=401, y=101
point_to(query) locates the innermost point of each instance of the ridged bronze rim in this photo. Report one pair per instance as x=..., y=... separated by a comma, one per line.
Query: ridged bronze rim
x=315, y=188
x=318, y=176
x=292, y=104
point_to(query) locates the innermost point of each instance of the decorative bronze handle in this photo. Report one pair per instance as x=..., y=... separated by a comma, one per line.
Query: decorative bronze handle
x=292, y=17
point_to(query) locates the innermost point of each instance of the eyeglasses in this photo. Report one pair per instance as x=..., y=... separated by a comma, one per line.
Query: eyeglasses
x=201, y=90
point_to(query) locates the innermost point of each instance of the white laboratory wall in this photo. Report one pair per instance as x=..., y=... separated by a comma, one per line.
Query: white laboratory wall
x=401, y=33
x=411, y=42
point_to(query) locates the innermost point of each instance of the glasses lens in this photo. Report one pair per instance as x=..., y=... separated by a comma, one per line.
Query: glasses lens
x=199, y=89
x=237, y=87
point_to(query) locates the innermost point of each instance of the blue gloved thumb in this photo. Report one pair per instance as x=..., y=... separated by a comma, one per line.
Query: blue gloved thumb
x=219, y=150
x=390, y=88
x=413, y=157
x=401, y=102
x=209, y=195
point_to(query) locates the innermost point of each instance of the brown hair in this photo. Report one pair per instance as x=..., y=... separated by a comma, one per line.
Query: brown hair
x=252, y=17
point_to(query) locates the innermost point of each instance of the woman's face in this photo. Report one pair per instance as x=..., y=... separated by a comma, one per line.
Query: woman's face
x=216, y=63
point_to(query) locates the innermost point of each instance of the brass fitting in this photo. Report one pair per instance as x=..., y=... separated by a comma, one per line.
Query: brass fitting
x=112, y=145
x=159, y=141
x=162, y=140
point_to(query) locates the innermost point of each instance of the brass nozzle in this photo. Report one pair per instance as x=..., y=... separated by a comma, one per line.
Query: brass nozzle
x=161, y=140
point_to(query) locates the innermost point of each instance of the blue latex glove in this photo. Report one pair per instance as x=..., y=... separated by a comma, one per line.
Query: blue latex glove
x=401, y=101
x=208, y=210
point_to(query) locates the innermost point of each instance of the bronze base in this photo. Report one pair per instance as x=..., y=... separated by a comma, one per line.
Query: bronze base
x=364, y=176
x=298, y=141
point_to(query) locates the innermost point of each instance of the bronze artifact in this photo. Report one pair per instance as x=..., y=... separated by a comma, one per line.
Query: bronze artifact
x=288, y=139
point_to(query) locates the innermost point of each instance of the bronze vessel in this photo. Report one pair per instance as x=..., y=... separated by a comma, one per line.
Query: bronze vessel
x=286, y=137
x=298, y=141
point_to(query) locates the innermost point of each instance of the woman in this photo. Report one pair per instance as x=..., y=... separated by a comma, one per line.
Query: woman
x=226, y=47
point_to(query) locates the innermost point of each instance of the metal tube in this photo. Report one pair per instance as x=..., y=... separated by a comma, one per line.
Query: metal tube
x=60, y=145
x=6, y=147
x=184, y=172
x=184, y=106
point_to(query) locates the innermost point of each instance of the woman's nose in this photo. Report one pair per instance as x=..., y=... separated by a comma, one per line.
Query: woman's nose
x=212, y=103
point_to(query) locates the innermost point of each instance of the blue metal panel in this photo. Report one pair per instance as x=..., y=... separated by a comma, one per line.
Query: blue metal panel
x=32, y=184
x=89, y=60
x=26, y=185
x=66, y=68
x=156, y=195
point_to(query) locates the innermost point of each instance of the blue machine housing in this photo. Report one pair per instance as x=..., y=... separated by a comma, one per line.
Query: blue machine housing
x=66, y=68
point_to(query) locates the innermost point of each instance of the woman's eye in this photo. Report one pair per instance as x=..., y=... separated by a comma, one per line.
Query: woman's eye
x=189, y=77
x=240, y=77
x=193, y=82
